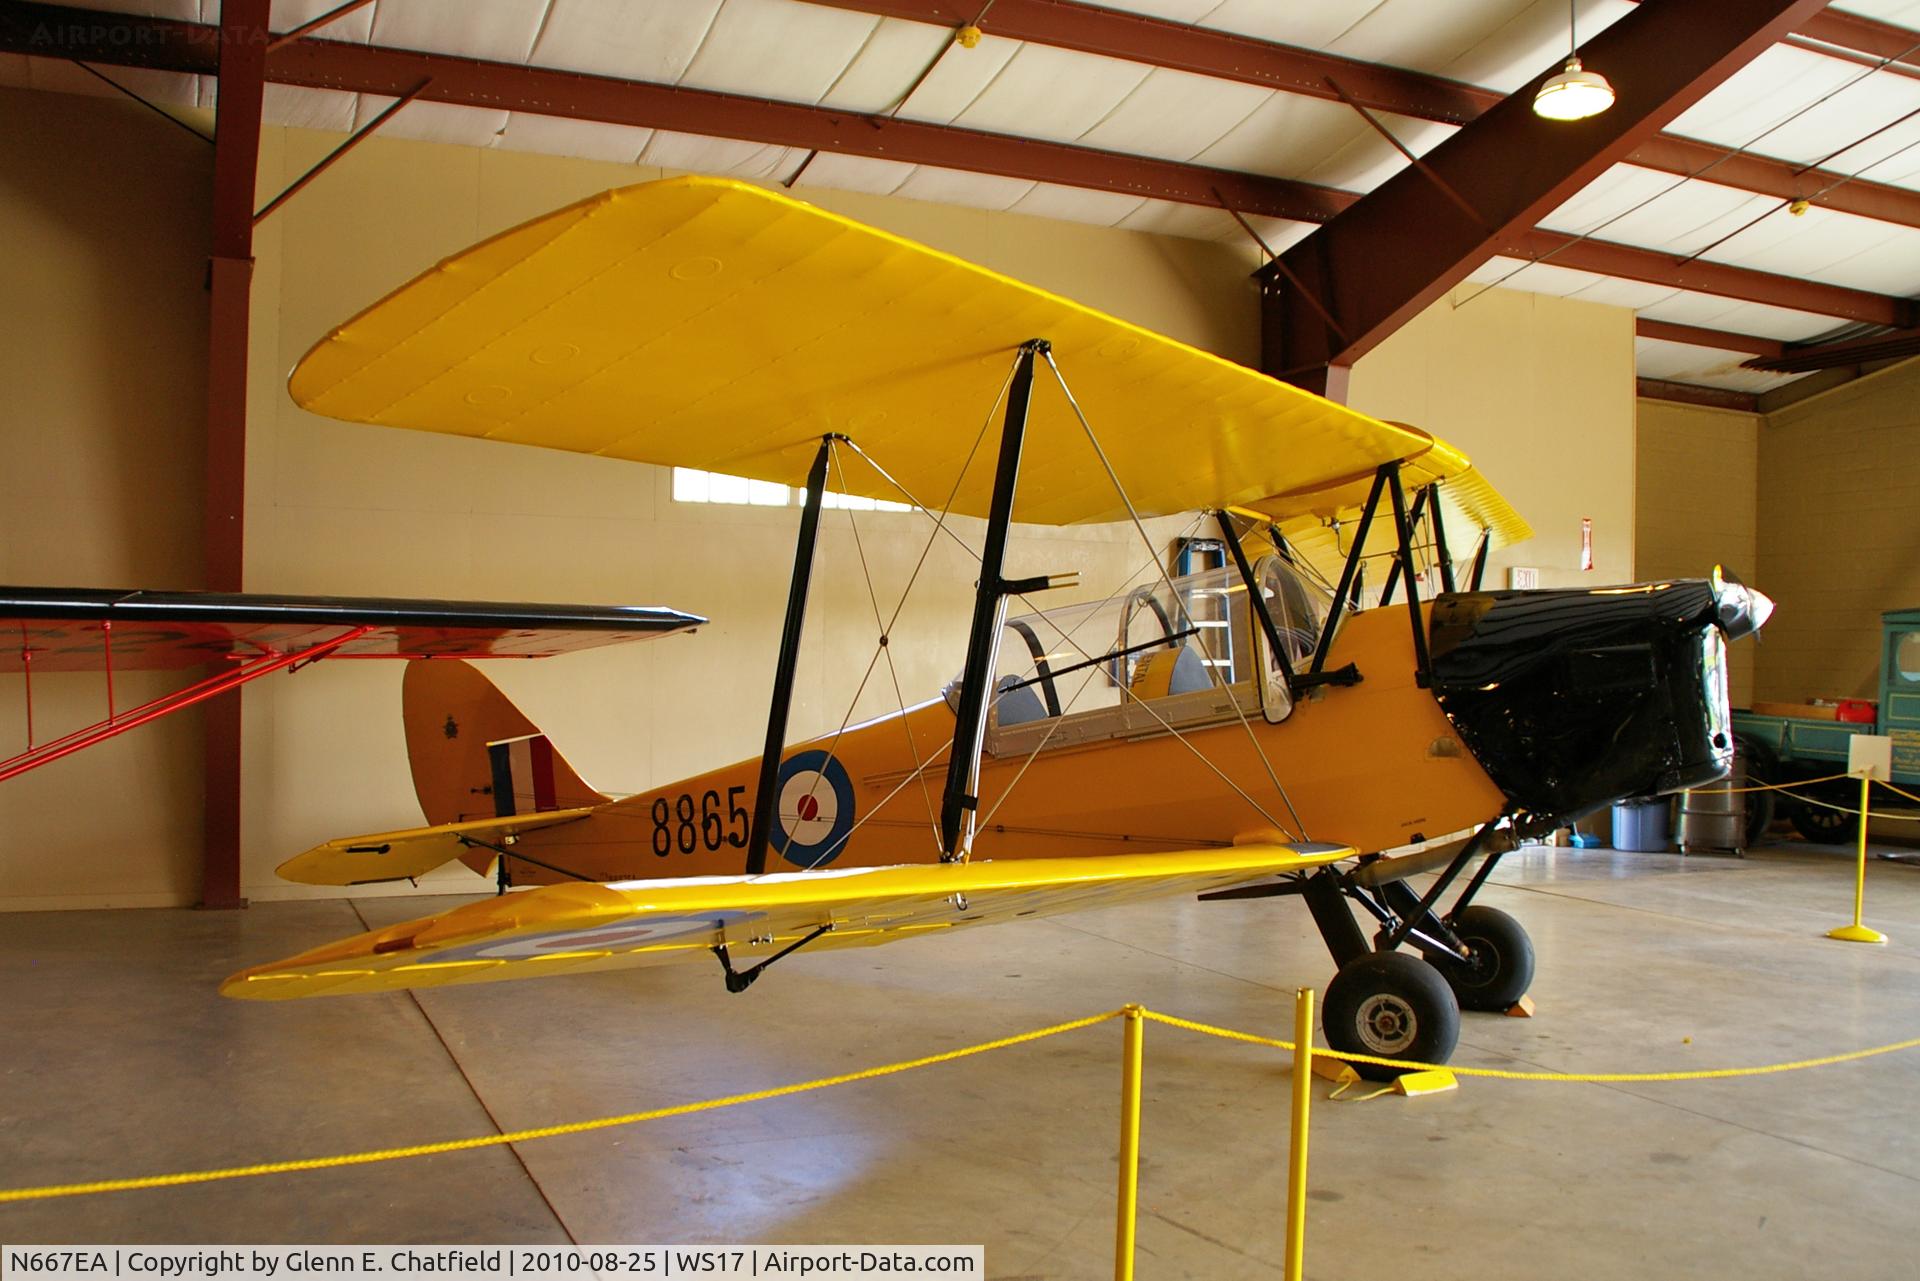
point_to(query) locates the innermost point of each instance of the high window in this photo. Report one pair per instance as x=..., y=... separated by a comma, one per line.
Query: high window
x=693, y=486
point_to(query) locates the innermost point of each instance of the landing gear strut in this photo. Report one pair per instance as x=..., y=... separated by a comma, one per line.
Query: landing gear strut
x=1393, y=1004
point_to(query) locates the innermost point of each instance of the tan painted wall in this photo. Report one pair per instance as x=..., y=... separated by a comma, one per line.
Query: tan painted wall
x=1698, y=502
x=102, y=353
x=1839, y=486
x=1539, y=392
x=340, y=508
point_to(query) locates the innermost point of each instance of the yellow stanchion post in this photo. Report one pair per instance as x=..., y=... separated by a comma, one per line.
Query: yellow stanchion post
x=1129, y=1145
x=1297, y=1156
x=1859, y=932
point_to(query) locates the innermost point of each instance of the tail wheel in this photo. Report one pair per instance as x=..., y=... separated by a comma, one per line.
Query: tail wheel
x=1392, y=1005
x=1500, y=969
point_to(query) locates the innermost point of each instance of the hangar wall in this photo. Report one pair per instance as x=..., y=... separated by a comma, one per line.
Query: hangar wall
x=119, y=314
x=1539, y=391
x=103, y=358
x=1698, y=507
x=1839, y=482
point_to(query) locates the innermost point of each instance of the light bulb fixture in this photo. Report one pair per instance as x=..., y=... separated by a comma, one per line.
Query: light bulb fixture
x=1575, y=93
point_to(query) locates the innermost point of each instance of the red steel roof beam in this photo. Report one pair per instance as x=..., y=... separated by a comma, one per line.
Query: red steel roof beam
x=312, y=25
x=1605, y=258
x=1762, y=175
x=190, y=47
x=1880, y=41
x=1897, y=345
x=469, y=82
x=1402, y=246
x=1693, y=394
x=1203, y=51
x=1157, y=42
x=1718, y=339
x=1148, y=40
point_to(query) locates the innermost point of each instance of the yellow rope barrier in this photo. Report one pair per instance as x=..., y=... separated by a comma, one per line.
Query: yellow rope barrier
x=1503, y=1074
x=1898, y=790
x=1786, y=789
x=1774, y=787
x=541, y=1132
x=1132, y=1013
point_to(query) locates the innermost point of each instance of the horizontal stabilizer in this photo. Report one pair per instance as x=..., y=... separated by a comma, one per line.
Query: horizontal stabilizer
x=399, y=856
x=577, y=928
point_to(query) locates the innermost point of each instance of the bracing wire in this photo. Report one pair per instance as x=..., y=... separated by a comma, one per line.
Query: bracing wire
x=1147, y=707
x=913, y=578
x=1152, y=562
x=1174, y=594
x=885, y=648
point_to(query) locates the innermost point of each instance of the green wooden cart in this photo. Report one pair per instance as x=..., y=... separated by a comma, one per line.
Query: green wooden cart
x=1789, y=748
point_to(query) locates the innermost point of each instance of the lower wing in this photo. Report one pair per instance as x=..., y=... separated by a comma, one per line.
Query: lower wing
x=79, y=629
x=572, y=929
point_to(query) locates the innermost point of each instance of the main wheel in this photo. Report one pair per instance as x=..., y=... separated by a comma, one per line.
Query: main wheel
x=1394, y=1006
x=1501, y=968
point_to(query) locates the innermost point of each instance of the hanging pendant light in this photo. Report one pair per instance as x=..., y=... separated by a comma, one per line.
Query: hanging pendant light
x=1575, y=93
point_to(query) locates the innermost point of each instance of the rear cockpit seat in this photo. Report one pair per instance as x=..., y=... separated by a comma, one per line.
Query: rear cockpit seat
x=1169, y=671
x=1016, y=706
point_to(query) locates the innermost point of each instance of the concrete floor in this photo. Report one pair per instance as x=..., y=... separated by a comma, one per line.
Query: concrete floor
x=120, y=1059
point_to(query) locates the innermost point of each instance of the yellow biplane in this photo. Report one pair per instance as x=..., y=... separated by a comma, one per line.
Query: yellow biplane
x=1245, y=729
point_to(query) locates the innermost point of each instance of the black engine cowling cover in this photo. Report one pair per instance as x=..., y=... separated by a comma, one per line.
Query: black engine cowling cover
x=1573, y=699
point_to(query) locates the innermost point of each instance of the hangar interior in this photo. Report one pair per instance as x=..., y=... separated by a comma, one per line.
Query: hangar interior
x=1681, y=339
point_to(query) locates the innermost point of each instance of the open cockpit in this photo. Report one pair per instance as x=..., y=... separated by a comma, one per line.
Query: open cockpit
x=1181, y=653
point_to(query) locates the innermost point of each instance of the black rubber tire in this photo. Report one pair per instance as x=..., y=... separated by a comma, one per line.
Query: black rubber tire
x=1761, y=767
x=1825, y=826
x=1393, y=1005
x=1502, y=968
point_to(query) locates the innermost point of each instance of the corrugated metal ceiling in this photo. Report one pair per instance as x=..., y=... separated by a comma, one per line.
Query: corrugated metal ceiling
x=1791, y=103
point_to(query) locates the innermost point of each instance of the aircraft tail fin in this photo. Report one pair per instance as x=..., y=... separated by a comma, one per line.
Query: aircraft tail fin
x=476, y=756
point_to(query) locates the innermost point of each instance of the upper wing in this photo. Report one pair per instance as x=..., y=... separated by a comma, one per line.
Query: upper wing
x=1318, y=521
x=61, y=629
x=398, y=856
x=712, y=324
x=1304, y=514
x=569, y=929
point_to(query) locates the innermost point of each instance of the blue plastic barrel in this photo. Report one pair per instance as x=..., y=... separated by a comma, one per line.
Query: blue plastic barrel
x=1640, y=827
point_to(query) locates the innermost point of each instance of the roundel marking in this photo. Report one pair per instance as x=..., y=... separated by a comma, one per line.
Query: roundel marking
x=814, y=815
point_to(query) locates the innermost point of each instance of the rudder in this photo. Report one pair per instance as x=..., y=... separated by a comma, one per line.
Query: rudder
x=454, y=716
